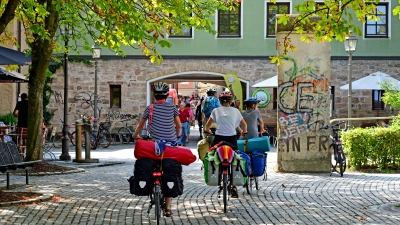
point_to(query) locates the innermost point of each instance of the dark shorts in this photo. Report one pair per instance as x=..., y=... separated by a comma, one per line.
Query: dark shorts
x=231, y=139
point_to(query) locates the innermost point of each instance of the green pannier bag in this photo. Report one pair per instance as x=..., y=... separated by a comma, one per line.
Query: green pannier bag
x=211, y=170
x=239, y=176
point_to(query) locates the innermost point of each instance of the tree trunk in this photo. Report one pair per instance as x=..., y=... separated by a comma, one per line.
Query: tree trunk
x=41, y=54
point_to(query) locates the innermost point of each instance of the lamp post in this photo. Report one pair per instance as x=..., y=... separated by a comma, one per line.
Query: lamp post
x=65, y=139
x=96, y=55
x=350, y=47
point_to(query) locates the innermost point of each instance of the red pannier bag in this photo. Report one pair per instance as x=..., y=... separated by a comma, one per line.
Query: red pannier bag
x=145, y=149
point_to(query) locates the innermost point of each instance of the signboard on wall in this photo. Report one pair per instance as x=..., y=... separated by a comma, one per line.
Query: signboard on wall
x=235, y=87
x=263, y=96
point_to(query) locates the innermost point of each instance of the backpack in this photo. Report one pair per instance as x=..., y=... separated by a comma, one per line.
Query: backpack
x=209, y=104
x=172, y=182
x=258, y=162
x=141, y=182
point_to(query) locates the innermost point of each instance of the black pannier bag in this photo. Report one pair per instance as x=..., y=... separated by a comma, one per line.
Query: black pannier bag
x=172, y=182
x=141, y=182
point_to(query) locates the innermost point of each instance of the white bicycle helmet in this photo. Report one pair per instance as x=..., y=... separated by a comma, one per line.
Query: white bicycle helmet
x=160, y=88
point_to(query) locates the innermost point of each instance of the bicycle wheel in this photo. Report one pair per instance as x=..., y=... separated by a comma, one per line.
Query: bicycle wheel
x=104, y=138
x=256, y=182
x=157, y=203
x=225, y=184
x=57, y=140
x=72, y=138
x=342, y=162
x=334, y=161
x=125, y=135
x=247, y=185
x=93, y=142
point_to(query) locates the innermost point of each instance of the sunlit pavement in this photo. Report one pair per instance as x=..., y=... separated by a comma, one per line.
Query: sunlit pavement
x=100, y=196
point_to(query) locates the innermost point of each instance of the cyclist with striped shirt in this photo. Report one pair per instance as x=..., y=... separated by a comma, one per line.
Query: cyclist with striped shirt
x=165, y=124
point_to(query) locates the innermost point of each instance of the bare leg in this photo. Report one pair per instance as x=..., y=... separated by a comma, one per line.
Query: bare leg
x=168, y=206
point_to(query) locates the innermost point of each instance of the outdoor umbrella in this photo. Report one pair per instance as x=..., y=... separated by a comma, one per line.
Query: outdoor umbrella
x=11, y=77
x=13, y=57
x=268, y=83
x=371, y=82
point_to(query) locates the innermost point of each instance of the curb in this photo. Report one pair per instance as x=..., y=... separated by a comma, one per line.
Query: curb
x=43, y=197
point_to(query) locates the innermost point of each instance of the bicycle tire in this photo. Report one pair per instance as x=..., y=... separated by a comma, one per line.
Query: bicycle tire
x=157, y=208
x=256, y=183
x=57, y=140
x=93, y=142
x=82, y=138
x=334, y=161
x=124, y=135
x=248, y=188
x=72, y=138
x=342, y=162
x=225, y=184
x=104, y=138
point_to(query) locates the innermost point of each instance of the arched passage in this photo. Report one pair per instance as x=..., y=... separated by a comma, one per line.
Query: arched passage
x=202, y=76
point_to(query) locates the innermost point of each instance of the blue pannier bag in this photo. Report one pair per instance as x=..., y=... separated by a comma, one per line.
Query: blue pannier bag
x=258, y=162
x=248, y=162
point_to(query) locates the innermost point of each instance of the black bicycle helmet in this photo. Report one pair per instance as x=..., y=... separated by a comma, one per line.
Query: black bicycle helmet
x=251, y=101
x=211, y=91
x=160, y=88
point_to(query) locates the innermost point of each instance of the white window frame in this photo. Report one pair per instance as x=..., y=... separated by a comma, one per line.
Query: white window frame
x=241, y=24
x=389, y=24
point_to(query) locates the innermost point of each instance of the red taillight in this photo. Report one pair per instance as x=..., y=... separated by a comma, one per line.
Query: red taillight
x=157, y=174
x=225, y=164
x=157, y=182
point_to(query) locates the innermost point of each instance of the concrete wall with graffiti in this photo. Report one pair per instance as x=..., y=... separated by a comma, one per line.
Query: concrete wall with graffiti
x=303, y=107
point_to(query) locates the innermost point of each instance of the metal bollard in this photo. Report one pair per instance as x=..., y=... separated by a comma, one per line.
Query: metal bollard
x=86, y=128
x=78, y=141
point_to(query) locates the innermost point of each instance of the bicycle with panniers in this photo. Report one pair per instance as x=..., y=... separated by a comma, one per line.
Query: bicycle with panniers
x=338, y=157
x=223, y=168
x=254, y=151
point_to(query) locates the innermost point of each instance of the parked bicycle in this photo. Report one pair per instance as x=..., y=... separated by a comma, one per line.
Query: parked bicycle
x=125, y=133
x=102, y=139
x=338, y=157
x=57, y=136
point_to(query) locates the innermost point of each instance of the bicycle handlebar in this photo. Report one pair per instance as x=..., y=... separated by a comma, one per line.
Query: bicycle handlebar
x=332, y=126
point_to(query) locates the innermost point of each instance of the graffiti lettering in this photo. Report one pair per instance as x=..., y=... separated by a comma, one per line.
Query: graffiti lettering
x=117, y=115
x=312, y=143
x=301, y=97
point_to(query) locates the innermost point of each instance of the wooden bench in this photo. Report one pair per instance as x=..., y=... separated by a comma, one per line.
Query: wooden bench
x=10, y=161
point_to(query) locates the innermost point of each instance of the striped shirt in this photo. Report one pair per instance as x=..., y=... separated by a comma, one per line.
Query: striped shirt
x=163, y=125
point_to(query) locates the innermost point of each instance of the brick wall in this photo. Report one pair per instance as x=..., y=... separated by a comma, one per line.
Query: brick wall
x=132, y=74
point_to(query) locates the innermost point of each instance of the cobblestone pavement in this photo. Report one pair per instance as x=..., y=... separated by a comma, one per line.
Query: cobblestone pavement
x=100, y=196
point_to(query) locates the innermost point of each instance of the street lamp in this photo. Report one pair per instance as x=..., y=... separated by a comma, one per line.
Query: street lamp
x=96, y=55
x=350, y=47
x=65, y=139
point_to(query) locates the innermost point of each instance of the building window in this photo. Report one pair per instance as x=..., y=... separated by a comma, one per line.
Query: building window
x=272, y=10
x=115, y=96
x=377, y=102
x=274, y=98
x=229, y=22
x=186, y=33
x=377, y=29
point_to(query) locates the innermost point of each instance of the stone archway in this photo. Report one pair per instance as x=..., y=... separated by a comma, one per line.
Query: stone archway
x=205, y=73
